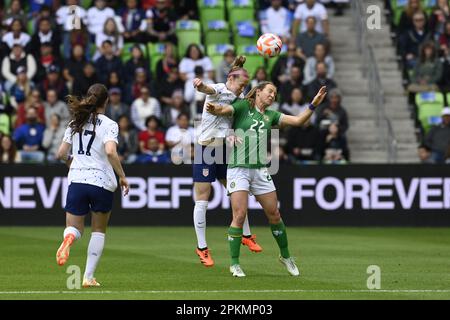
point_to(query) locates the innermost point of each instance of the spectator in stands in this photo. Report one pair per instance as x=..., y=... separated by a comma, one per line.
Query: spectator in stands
x=144, y=107
x=310, y=8
x=169, y=59
x=307, y=40
x=45, y=34
x=18, y=57
x=73, y=67
x=295, y=104
x=282, y=69
x=428, y=70
x=334, y=112
x=438, y=138
x=33, y=101
x=332, y=146
x=14, y=12
x=277, y=20
x=406, y=22
x=114, y=81
x=116, y=108
x=411, y=40
x=152, y=125
x=8, y=150
x=167, y=86
x=320, y=80
x=339, y=6
x=295, y=81
x=128, y=140
x=444, y=40
x=131, y=16
x=54, y=81
x=159, y=25
x=20, y=91
x=64, y=18
x=259, y=76
x=187, y=9
x=193, y=97
x=88, y=78
x=320, y=55
x=53, y=136
x=424, y=153
x=225, y=65
x=179, y=139
x=97, y=15
x=154, y=154
x=54, y=105
x=136, y=61
x=16, y=35
x=194, y=58
x=302, y=143
x=29, y=138
x=46, y=59
x=438, y=18
x=134, y=89
x=109, y=32
x=175, y=108
x=108, y=62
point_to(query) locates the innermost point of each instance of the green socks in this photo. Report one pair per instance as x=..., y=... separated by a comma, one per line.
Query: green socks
x=234, y=239
x=280, y=235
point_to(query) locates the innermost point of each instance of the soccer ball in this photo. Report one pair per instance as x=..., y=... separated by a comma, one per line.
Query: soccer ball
x=269, y=45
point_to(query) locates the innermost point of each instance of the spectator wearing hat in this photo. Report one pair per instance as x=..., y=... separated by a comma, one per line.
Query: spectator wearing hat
x=16, y=35
x=53, y=105
x=73, y=67
x=144, y=107
x=53, y=80
x=159, y=25
x=136, y=61
x=131, y=17
x=168, y=60
x=88, y=78
x=44, y=34
x=438, y=138
x=116, y=108
x=108, y=62
x=21, y=89
x=18, y=57
x=29, y=138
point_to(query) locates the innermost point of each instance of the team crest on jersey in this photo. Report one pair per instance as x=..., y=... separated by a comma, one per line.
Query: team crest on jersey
x=232, y=185
x=266, y=118
x=205, y=172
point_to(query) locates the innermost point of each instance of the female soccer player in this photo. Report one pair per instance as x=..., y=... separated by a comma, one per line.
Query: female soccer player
x=211, y=140
x=93, y=138
x=252, y=119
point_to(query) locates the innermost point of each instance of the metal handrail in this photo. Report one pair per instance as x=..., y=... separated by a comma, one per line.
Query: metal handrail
x=376, y=93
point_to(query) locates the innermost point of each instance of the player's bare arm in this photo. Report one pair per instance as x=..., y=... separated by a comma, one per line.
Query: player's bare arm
x=63, y=153
x=219, y=110
x=300, y=119
x=203, y=88
x=113, y=158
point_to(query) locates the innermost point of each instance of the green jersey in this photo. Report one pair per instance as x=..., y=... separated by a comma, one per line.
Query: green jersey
x=253, y=128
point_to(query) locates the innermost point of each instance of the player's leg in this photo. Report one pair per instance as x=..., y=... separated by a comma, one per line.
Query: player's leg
x=269, y=203
x=202, y=191
x=77, y=206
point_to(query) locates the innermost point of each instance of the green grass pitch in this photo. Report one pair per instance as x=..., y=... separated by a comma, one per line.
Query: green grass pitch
x=160, y=263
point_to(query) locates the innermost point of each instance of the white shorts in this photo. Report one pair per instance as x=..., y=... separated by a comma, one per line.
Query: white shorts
x=255, y=181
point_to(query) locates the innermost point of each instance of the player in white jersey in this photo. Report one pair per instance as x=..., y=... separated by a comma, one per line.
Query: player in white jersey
x=211, y=141
x=93, y=139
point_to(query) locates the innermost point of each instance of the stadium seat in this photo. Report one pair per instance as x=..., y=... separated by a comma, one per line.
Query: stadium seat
x=429, y=106
x=245, y=33
x=397, y=8
x=155, y=53
x=188, y=31
x=254, y=60
x=86, y=4
x=211, y=10
x=240, y=14
x=216, y=32
x=216, y=51
x=5, y=124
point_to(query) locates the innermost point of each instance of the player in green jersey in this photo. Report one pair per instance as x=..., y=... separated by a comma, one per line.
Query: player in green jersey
x=247, y=169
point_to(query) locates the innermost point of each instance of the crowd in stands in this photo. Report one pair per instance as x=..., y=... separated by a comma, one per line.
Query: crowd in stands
x=422, y=36
x=50, y=49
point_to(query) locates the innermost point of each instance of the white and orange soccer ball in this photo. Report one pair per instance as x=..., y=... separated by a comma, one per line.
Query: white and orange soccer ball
x=269, y=45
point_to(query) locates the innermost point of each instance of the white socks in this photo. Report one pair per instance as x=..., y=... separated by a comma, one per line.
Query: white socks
x=94, y=253
x=72, y=230
x=200, y=222
x=246, y=227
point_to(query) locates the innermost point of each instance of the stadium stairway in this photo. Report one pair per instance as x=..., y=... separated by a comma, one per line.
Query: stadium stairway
x=363, y=132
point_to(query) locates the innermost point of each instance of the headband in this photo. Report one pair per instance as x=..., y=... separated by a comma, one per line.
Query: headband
x=239, y=72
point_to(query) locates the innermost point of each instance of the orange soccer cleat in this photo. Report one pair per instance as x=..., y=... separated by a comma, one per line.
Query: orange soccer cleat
x=251, y=243
x=205, y=257
x=90, y=283
x=62, y=255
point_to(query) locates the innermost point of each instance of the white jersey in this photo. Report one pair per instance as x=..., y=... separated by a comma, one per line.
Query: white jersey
x=90, y=163
x=214, y=126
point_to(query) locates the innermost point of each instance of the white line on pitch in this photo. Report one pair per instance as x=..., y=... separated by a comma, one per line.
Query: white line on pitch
x=229, y=291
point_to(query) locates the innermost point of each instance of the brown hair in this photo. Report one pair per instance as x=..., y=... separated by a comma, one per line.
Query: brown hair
x=82, y=110
x=251, y=95
x=11, y=152
x=410, y=11
x=238, y=64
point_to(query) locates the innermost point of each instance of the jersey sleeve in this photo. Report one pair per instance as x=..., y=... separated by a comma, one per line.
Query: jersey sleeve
x=239, y=106
x=276, y=118
x=68, y=136
x=112, y=133
x=218, y=87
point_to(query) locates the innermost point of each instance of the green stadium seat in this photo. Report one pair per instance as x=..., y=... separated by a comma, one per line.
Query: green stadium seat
x=188, y=31
x=253, y=61
x=241, y=14
x=429, y=106
x=5, y=123
x=241, y=37
x=155, y=53
x=211, y=10
x=216, y=32
x=397, y=8
x=86, y=4
x=216, y=51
